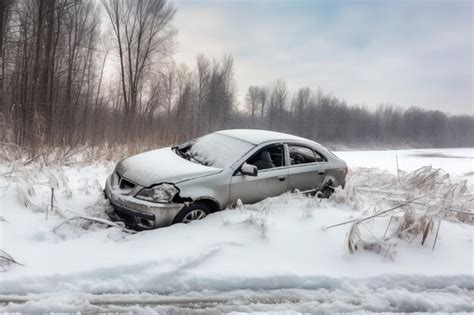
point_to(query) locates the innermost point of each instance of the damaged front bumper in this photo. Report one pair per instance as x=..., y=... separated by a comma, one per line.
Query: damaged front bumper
x=139, y=214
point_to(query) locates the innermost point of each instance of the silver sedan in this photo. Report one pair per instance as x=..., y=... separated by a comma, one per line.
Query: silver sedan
x=187, y=182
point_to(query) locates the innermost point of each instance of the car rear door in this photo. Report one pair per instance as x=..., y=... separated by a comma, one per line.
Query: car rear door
x=307, y=167
x=268, y=182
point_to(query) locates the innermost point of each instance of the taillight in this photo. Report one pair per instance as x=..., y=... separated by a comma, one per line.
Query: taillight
x=346, y=170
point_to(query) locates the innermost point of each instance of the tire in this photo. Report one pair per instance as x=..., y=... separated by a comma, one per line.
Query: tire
x=195, y=211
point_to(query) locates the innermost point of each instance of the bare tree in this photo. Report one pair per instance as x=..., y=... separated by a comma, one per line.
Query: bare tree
x=203, y=77
x=301, y=100
x=5, y=7
x=278, y=98
x=251, y=100
x=229, y=87
x=169, y=85
x=144, y=34
x=183, y=103
x=262, y=98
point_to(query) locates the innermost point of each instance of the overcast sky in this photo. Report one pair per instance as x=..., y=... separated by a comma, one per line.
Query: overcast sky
x=400, y=52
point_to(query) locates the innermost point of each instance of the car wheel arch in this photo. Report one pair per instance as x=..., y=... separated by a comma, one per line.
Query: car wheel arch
x=327, y=186
x=211, y=202
x=329, y=180
x=210, y=205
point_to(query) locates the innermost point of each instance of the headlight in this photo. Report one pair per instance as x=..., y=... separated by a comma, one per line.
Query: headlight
x=162, y=193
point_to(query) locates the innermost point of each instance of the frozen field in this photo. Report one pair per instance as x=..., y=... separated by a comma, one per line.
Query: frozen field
x=275, y=256
x=454, y=161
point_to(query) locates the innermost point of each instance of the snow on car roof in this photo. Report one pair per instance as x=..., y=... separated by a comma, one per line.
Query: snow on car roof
x=256, y=136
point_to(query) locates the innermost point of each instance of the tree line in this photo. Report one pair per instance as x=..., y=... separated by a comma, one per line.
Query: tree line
x=323, y=117
x=55, y=89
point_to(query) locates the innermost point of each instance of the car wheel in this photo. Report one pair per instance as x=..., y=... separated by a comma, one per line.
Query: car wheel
x=193, y=212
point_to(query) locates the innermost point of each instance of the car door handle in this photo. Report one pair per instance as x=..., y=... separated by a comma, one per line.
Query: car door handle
x=321, y=172
x=281, y=178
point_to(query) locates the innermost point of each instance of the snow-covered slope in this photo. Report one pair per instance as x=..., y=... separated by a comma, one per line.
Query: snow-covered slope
x=279, y=244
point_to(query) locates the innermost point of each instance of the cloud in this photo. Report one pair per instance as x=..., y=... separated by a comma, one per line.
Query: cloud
x=404, y=53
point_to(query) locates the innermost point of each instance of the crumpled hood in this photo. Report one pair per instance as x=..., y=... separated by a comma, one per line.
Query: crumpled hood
x=162, y=165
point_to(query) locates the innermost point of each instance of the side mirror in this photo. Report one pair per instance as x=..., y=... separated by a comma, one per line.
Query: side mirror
x=249, y=169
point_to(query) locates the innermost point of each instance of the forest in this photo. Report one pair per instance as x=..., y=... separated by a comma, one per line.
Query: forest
x=92, y=73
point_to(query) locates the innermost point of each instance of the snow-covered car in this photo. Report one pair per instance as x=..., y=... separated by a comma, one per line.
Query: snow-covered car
x=187, y=182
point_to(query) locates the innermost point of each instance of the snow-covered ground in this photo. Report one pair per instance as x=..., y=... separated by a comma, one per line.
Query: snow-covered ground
x=454, y=161
x=274, y=256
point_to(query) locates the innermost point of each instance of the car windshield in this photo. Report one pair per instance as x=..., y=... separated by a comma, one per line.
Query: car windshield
x=214, y=150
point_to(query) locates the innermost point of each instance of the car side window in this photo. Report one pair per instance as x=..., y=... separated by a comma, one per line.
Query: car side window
x=269, y=157
x=303, y=155
x=319, y=157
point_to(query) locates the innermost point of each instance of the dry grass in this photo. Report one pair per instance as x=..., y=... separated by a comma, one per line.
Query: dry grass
x=12, y=154
x=420, y=200
x=6, y=261
x=445, y=196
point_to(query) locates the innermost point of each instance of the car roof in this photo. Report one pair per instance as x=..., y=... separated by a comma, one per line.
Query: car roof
x=256, y=136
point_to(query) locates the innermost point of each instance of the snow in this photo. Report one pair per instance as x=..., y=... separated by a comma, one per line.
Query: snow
x=219, y=150
x=257, y=136
x=378, y=295
x=162, y=165
x=454, y=161
x=274, y=256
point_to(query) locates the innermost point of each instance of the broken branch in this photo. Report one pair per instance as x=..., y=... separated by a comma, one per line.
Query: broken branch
x=377, y=214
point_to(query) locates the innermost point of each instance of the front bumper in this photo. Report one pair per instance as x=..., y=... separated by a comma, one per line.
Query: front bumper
x=139, y=214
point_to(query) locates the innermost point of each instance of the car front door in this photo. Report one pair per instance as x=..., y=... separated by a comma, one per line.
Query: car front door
x=307, y=168
x=271, y=179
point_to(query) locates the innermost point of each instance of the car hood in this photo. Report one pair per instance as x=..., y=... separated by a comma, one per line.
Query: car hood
x=162, y=165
